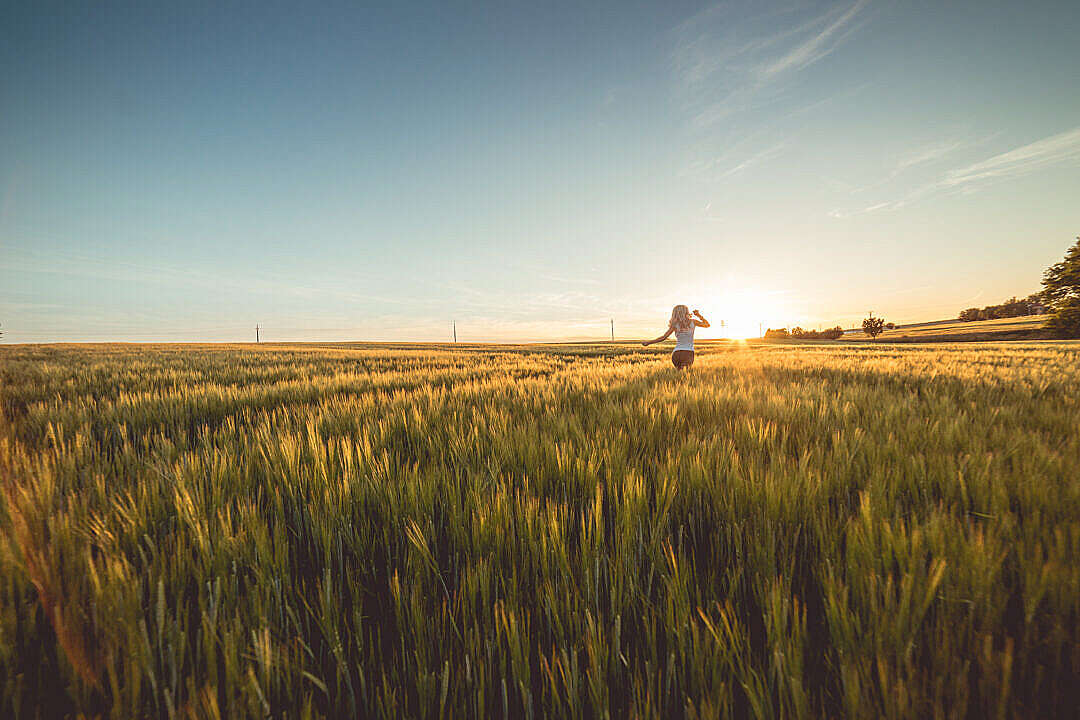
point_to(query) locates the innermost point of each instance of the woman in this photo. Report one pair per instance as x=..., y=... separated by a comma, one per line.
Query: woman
x=682, y=324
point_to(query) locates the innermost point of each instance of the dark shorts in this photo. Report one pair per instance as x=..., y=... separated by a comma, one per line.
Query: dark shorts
x=682, y=358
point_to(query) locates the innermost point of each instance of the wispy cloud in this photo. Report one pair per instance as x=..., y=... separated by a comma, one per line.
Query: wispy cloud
x=918, y=158
x=735, y=56
x=930, y=153
x=736, y=161
x=110, y=270
x=1055, y=150
x=756, y=159
x=819, y=45
x=575, y=305
x=1060, y=149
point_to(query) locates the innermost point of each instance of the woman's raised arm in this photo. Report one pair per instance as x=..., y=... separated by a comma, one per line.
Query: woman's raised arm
x=662, y=338
x=700, y=320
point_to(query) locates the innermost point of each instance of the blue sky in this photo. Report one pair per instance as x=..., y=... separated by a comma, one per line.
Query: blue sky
x=530, y=170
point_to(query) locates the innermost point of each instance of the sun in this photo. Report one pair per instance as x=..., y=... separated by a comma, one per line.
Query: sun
x=741, y=328
x=744, y=313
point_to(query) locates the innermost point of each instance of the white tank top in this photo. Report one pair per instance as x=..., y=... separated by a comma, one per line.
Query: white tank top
x=684, y=339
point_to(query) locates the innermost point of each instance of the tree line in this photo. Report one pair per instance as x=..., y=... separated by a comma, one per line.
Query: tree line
x=800, y=334
x=1031, y=305
x=1060, y=297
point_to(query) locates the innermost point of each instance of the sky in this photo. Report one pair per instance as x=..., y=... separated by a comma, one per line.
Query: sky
x=530, y=171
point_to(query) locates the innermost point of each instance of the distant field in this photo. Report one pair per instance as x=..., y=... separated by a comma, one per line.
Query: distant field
x=1018, y=328
x=789, y=530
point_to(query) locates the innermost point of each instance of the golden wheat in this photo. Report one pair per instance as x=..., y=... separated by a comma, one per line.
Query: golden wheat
x=298, y=531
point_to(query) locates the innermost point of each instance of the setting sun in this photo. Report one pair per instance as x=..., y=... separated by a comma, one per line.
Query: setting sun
x=744, y=313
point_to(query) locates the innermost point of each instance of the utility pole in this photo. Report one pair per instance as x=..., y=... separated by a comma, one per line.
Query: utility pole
x=759, y=331
x=256, y=334
x=455, y=330
x=612, y=329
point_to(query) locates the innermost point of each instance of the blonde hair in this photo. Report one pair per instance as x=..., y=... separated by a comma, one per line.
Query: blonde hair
x=680, y=318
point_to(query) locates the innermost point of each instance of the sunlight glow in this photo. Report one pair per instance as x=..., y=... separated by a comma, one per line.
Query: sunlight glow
x=743, y=313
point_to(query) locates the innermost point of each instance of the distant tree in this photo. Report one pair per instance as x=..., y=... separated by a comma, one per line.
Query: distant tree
x=833, y=333
x=777, y=334
x=1036, y=304
x=1061, y=292
x=873, y=326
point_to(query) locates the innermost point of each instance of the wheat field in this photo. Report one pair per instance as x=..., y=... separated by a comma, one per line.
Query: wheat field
x=839, y=530
x=1027, y=327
